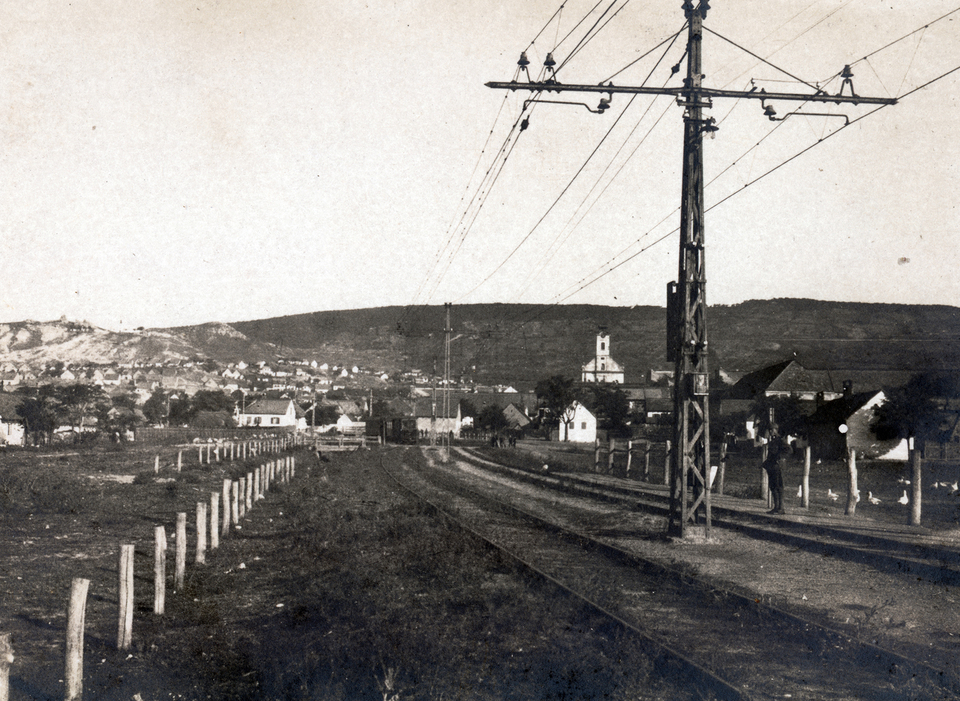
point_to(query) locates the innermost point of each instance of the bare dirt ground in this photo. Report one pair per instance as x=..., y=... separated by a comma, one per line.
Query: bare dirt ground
x=336, y=588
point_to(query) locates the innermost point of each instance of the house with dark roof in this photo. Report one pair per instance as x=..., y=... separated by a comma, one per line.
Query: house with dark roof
x=273, y=413
x=847, y=423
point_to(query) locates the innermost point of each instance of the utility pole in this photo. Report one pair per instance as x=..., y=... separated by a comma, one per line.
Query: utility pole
x=446, y=383
x=686, y=298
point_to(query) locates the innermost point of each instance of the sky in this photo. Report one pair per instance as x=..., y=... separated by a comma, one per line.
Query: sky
x=172, y=163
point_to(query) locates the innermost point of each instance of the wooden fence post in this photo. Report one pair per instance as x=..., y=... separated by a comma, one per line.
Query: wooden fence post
x=647, y=445
x=125, y=627
x=629, y=455
x=179, y=460
x=805, y=487
x=611, y=453
x=293, y=466
x=241, y=502
x=596, y=455
x=235, y=503
x=6, y=660
x=216, y=453
x=180, y=567
x=248, y=493
x=256, y=484
x=764, y=477
x=200, y=455
x=214, y=520
x=159, y=570
x=76, y=613
x=915, y=482
x=853, y=493
x=225, y=527
x=723, y=465
x=201, y=533
x=156, y=464
x=666, y=465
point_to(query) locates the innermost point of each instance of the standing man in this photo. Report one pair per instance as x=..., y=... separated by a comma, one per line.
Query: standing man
x=777, y=448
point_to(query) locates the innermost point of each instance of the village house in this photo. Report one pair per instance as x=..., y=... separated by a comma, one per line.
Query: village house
x=847, y=423
x=272, y=413
x=578, y=424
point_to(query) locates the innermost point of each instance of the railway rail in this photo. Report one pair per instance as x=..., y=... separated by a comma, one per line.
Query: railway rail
x=913, y=554
x=763, y=651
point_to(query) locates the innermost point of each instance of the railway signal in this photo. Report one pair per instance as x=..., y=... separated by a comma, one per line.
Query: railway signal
x=686, y=298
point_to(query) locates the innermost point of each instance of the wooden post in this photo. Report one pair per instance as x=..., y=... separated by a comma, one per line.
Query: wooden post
x=256, y=484
x=647, y=445
x=629, y=455
x=180, y=566
x=208, y=453
x=225, y=527
x=596, y=455
x=200, y=455
x=216, y=453
x=235, y=503
x=915, y=474
x=6, y=660
x=805, y=487
x=159, y=570
x=76, y=613
x=241, y=490
x=293, y=466
x=764, y=477
x=721, y=478
x=201, y=558
x=125, y=627
x=666, y=465
x=179, y=460
x=214, y=520
x=156, y=464
x=248, y=494
x=852, y=492
x=611, y=453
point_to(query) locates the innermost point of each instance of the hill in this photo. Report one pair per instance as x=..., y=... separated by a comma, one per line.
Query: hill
x=519, y=344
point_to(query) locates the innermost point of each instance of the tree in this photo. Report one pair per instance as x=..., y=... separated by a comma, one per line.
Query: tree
x=610, y=405
x=39, y=413
x=555, y=394
x=79, y=403
x=491, y=418
x=785, y=412
x=915, y=409
x=155, y=409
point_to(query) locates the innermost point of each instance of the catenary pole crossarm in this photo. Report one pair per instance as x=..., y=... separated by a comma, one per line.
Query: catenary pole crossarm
x=687, y=347
x=704, y=93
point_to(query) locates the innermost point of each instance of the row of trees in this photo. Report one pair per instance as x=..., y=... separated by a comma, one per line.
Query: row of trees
x=89, y=411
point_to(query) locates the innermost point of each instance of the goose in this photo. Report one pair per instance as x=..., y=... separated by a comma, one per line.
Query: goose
x=873, y=499
x=800, y=491
x=904, y=499
x=832, y=495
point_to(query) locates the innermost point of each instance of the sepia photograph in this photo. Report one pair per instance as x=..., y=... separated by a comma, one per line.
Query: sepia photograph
x=364, y=351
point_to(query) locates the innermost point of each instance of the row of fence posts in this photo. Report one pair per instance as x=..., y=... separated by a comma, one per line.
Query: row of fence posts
x=216, y=453
x=645, y=447
x=238, y=497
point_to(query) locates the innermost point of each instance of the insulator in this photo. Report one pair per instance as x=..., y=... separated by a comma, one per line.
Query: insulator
x=768, y=111
x=604, y=104
x=523, y=62
x=549, y=62
x=846, y=72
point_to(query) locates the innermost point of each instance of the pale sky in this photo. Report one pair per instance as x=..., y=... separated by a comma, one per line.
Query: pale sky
x=169, y=163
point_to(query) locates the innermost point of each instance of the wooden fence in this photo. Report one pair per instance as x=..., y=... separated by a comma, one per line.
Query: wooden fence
x=239, y=496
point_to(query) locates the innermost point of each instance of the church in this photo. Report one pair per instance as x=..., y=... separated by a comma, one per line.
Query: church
x=602, y=367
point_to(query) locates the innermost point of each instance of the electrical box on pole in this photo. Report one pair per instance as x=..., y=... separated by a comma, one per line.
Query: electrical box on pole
x=686, y=319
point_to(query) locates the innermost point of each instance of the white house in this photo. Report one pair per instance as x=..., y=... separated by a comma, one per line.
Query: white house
x=602, y=367
x=273, y=413
x=578, y=424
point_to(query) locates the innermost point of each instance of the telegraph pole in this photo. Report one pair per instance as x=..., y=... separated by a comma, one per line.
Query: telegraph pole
x=686, y=298
x=446, y=383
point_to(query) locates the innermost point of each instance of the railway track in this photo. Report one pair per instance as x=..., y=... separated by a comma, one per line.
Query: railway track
x=763, y=652
x=918, y=557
